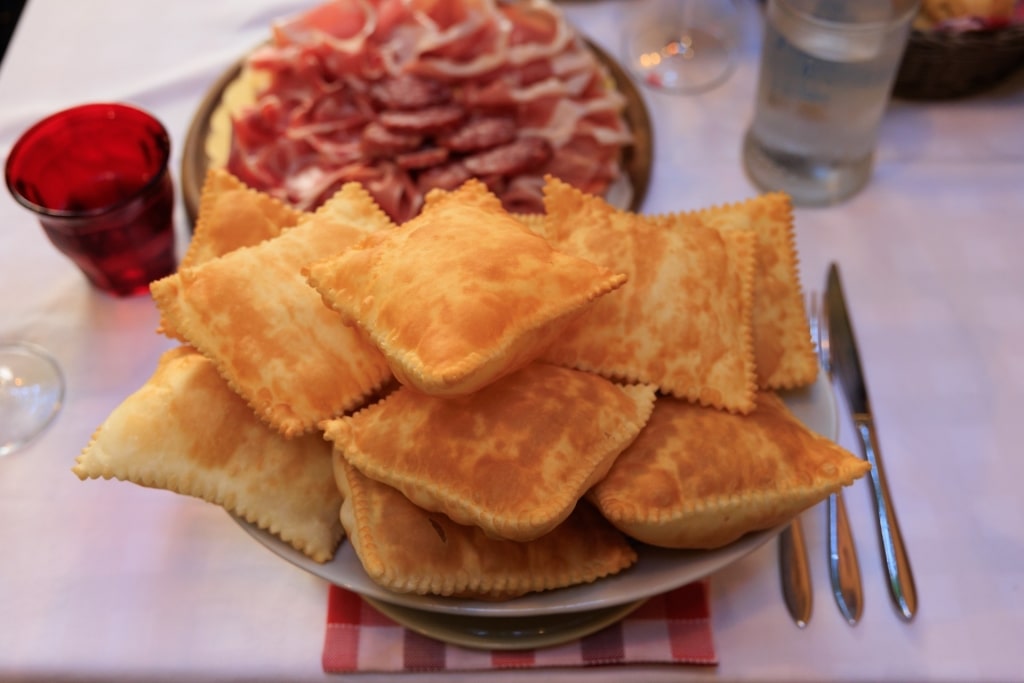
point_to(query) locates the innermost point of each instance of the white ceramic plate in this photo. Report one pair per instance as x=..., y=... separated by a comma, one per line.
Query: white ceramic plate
x=505, y=633
x=656, y=571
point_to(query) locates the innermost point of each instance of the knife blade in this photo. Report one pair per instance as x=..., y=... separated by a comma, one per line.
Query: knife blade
x=848, y=370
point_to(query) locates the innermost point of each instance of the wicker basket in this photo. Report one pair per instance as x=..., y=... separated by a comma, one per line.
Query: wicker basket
x=938, y=65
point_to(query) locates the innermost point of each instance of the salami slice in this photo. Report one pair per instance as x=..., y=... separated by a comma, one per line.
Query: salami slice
x=378, y=140
x=446, y=177
x=422, y=158
x=515, y=157
x=423, y=121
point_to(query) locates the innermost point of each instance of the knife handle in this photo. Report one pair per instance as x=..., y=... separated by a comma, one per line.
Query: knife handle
x=795, y=573
x=844, y=570
x=897, y=564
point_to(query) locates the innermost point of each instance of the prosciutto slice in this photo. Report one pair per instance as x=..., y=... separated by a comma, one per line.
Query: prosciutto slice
x=405, y=96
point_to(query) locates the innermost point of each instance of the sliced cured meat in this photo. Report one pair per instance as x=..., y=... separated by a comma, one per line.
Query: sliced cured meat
x=479, y=134
x=410, y=92
x=591, y=174
x=560, y=120
x=492, y=94
x=381, y=140
x=428, y=120
x=268, y=166
x=392, y=17
x=336, y=151
x=319, y=185
x=408, y=95
x=259, y=126
x=539, y=31
x=342, y=106
x=524, y=194
x=342, y=27
x=446, y=177
x=515, y=157
x=532, y=23
x=340, y=20
x=579, y=60
x=456, y=70
x=495, y=183
x=395, y=192
x=422, y=158
x=530, y=73
x=460, y=40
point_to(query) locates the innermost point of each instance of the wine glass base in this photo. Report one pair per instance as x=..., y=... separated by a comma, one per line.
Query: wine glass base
x=31, y=393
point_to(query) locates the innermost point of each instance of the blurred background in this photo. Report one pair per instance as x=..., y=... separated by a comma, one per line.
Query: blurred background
x=10, y=10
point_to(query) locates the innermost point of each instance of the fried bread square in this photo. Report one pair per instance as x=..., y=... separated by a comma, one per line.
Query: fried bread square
x=460, y=295
x=185, y=431
x=682, y=321
x=701, y=478
x=782, y=349
x=269, y=333
x=232, y=215
x=512, y=459
x=407, y=549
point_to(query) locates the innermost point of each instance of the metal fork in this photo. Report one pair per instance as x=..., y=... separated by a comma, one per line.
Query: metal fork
x=794, y=570
x=843, y=567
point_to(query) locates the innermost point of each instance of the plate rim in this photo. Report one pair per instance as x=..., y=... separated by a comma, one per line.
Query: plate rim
x=553, y=629
x=637, y=158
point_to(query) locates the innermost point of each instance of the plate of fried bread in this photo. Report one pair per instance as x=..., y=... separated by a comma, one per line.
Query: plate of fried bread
x=408, y=97
x=549, y=618
x=655, y=571
x=480, y=415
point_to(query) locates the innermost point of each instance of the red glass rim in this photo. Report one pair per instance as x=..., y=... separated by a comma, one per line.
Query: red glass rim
x=140, y=119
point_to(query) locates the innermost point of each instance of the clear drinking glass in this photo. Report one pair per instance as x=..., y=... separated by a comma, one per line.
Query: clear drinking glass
x=827, y=70
x=682, y=46
x=31, y=393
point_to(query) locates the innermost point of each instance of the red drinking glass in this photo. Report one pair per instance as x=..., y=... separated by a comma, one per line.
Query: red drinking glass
x=97, y=178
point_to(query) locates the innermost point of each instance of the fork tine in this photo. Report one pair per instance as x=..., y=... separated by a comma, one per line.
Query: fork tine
x=824, y=351
x=812, y=318
x=795, y=571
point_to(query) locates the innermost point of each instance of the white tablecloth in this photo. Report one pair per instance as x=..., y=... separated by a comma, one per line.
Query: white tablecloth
x=109, y=581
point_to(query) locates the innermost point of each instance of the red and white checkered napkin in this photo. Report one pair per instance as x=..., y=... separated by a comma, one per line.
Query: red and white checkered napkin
x=672, y=628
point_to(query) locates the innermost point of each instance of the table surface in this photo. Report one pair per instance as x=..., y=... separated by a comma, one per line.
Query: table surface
x=104, y=580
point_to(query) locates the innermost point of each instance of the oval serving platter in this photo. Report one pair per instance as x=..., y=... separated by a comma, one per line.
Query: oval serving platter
x=636, y=159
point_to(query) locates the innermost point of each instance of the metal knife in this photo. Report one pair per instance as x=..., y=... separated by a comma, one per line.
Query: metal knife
x=847, y=368
x=795, y=573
